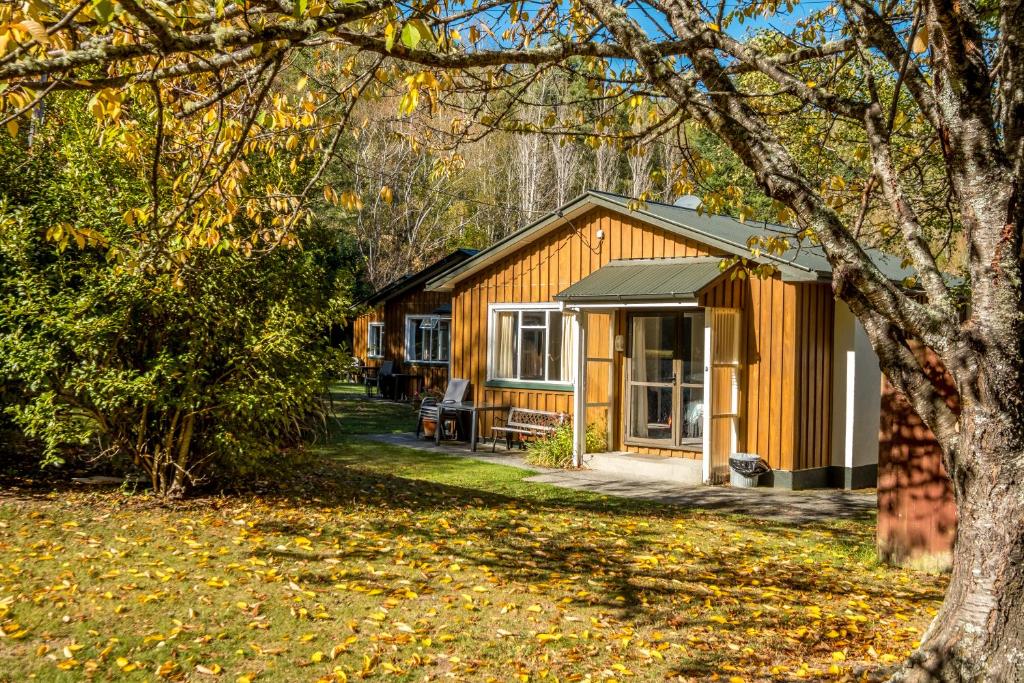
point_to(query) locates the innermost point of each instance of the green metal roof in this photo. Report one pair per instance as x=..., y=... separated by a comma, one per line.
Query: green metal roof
x=656, y=280
x=803, y=262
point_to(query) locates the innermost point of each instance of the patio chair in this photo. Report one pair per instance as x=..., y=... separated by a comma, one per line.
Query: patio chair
x=431, y=408
x=376, y=380
x=355, y=372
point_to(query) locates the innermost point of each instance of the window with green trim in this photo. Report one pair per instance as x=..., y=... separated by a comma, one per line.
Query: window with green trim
x=535, y=343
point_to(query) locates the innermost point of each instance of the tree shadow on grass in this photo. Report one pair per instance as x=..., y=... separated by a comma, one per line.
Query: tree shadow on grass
x=708, y=588
x=609, y=556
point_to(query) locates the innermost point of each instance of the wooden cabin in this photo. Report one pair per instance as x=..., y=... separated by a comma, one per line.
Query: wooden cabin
x=625, y=314
x=404, y=323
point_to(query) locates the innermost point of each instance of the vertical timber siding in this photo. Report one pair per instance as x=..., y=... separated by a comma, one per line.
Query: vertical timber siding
x=392, y=313
x=360, y=329
x=787, y=388
x=786, y=381
x=535, y=273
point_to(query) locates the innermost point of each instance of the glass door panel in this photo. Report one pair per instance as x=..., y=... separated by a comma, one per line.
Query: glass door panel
x=651, y=413
x=651, y=393
x=653, y=349
x=665, y=391
x=691, y=423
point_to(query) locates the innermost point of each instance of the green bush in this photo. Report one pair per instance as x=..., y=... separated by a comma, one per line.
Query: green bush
x=190, y=366
x=555, y=451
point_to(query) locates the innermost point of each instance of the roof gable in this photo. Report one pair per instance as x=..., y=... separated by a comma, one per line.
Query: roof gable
x=802, y=263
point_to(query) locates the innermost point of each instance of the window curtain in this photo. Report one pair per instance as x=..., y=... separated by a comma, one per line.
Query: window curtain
x=568, y=348
x=504, y=361
x=444, y=336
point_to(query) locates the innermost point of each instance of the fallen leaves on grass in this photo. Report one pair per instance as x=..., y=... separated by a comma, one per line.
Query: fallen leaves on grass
x=371, y=576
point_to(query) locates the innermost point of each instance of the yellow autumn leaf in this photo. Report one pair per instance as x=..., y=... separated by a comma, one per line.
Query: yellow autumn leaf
x=920, y=42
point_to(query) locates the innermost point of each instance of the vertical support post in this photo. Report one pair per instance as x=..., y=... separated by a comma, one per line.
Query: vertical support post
x=706, y=440
x=579, y=393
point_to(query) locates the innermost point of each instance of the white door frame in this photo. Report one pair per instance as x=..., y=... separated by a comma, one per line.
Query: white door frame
x=706, y=438
x=579, y=390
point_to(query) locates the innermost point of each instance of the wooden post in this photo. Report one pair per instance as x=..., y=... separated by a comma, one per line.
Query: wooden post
x=579, y=396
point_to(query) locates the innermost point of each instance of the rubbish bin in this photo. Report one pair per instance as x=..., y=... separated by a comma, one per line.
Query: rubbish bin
x=745, y=469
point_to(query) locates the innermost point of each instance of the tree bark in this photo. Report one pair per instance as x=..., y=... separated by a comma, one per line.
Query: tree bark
x=978, y=634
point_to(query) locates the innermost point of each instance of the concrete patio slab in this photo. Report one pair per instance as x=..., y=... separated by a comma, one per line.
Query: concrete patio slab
x=779, y=505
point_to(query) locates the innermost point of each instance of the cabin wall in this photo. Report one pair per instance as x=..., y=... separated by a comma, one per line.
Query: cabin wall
x=392, y=313
x=787, y=380
x=360, y=330
x=419, y=302
x=535, y=273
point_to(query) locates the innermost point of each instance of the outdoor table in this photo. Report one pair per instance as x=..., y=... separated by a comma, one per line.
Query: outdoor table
x=398, y=380
x=473, y=410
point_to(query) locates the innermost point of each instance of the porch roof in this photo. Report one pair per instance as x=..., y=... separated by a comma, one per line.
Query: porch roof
x=648, y=280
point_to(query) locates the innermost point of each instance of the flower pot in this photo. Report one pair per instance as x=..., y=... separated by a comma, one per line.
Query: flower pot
x=429, y=427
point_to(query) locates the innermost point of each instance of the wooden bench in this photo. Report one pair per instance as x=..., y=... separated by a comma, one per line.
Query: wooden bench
x=524, y=423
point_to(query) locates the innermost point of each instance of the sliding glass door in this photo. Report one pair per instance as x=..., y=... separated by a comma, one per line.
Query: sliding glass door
x=665, y=380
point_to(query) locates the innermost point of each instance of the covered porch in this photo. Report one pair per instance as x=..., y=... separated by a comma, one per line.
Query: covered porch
x=658, y=367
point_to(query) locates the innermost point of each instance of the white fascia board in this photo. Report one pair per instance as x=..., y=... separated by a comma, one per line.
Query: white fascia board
x=632, y=305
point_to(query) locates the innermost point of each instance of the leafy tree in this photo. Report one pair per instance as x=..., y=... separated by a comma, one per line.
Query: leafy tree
x=930, y=94
x=203, y=371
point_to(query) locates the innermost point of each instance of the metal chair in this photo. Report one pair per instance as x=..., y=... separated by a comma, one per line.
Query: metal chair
x=432, y=409
x=377, y=379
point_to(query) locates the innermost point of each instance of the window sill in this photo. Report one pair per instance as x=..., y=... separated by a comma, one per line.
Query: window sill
x=522, y=384
x=428, y=362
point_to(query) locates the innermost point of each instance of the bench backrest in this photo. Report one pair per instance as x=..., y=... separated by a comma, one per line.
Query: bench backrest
x=525, y=417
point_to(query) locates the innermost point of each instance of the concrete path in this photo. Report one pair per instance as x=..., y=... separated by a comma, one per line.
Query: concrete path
x=790, y=507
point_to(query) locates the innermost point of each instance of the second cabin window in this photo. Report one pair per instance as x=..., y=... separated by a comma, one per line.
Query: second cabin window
x=427, y=339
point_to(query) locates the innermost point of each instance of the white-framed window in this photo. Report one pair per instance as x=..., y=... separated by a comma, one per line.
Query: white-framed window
x=427, y=338
x=375, y=340
x=531, y=343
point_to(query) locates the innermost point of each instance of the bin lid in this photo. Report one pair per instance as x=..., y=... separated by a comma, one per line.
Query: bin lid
x=745, y=456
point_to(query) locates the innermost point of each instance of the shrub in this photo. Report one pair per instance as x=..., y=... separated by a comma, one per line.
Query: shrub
x=555, y=451
x=189, y=365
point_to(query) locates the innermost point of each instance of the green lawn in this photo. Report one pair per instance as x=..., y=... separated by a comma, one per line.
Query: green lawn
x=390, y=564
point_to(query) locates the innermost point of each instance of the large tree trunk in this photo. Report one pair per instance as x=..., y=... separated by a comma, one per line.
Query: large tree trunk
x=978, y=634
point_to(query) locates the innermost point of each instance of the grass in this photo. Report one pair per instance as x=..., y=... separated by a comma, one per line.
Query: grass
x=391, y=564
